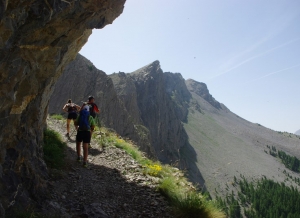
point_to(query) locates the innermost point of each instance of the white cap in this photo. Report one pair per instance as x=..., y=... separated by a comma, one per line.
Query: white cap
x=86, y=107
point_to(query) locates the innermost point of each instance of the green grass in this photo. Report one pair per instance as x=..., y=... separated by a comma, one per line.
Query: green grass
x=58, y=117
x=54, y=149
x=184, y=198
x=25, y=214
x=188, y=203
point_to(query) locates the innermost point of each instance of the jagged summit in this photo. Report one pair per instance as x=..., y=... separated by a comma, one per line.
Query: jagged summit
x=153, y=67
x=201, y=89
x=186, y=127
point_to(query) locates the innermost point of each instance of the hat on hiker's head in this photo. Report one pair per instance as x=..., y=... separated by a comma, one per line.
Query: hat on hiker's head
x=86, y=107
x=91, y=97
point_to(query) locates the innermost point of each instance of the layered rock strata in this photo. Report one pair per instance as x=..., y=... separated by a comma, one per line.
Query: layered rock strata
x=37, y=39
x=147, y=106
x=160, y=102
x=202, y=90
x=80, y=80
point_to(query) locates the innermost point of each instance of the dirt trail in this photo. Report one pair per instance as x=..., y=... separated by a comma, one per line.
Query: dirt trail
x=112, y=186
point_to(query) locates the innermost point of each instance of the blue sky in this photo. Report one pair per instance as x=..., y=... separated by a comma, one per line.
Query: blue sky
x=246, y=51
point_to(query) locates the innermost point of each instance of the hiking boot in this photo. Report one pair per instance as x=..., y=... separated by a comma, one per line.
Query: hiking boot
x=67, y=135
x=79, y=159
x=85, y=164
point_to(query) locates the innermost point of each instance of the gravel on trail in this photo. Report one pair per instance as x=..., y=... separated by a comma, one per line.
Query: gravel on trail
x=113, y=185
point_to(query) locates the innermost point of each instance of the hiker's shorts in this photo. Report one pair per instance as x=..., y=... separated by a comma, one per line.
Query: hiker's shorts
x=83, y=136
x=72, y=116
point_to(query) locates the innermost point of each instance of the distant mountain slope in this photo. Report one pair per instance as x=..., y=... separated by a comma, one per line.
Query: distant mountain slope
x=136, y=106
x=297, y=132
x=227, y=145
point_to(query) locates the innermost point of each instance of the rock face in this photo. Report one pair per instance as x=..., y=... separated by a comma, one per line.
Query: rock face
x=81, y=79
x=37, y=39
x=147, y=106
x=176, y=88
x=201, y=90
x=158, y=112
x=182, y=123
x=228, y=146
x=161, y=104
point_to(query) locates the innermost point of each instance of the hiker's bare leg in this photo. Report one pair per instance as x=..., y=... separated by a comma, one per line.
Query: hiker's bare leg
x=85, y=151
x=68, y=125
x=78, y=148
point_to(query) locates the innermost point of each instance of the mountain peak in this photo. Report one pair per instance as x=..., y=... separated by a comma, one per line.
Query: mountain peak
x=152, y=67
x=201, y=89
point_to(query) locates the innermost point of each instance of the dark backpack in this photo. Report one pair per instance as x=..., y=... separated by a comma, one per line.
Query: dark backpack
x=92, y=110
x=72, y=108
x=84, y=120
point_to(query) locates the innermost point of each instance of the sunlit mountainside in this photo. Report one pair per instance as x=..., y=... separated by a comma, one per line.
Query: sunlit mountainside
x=180, y=123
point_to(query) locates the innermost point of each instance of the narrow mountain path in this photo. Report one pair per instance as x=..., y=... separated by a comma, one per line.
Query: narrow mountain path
x=112, y=186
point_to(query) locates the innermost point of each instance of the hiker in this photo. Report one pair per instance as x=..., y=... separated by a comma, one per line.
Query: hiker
x=93, y=110
x=86, y=125
x=71, y=109
x=93, y=107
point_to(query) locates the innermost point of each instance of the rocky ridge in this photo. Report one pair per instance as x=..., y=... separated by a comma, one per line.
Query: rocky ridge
x=191, y=129
x=162, y=100
x=229, y=146
x=138, y=106
x=201, y=90
x=156, y=110
x=81, y=79
x=112, y=186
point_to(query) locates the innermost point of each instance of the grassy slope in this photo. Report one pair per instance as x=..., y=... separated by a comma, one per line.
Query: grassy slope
x=183, y=197
x=228, y=146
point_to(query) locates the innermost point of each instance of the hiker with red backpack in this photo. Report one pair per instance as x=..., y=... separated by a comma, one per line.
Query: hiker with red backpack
x=93, y=110
x=86, y=124
x=93, y=107
x=71, y=109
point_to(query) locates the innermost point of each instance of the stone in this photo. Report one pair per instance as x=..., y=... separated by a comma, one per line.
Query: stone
x=94, y=210
x=2, y=211
x=37, y=40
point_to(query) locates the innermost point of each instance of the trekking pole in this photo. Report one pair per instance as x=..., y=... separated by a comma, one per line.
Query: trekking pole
x=73, y=132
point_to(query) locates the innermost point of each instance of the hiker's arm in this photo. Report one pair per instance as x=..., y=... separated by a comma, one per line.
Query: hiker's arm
x=92, y=123
x=96, y=109
x=92, y=128
x=64, y=108
x=77, y=106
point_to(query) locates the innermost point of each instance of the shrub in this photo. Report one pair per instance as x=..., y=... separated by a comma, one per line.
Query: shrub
x=54, y=149
x=153, y=170
x=184, y=198
x=188, y=203
x=57, y=116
